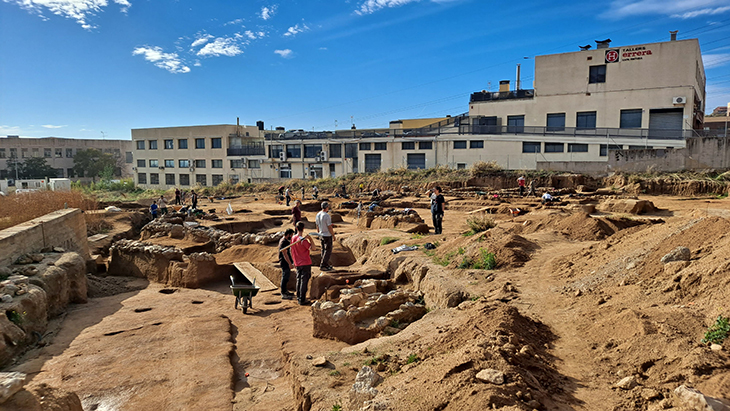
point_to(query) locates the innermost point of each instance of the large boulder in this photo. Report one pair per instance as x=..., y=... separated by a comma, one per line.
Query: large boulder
x=678, y=254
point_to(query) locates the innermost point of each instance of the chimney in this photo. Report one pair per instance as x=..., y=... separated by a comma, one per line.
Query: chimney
x=603, y=44
x=504, y=86
x=673, y=35
x=260, y=125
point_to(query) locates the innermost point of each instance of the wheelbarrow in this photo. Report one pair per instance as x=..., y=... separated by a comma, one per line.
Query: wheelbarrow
x=244, y=290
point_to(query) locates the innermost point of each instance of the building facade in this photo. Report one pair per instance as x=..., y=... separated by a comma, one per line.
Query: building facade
x=59, y=153
x=583, y=105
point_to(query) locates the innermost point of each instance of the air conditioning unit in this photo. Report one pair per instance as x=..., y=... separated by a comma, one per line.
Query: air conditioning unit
x=679, y=100
x=282, y=155
x=134, y=168
x=192, y=169
x=323, y=155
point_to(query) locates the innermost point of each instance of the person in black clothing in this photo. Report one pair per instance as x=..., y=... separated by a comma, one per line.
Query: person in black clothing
x=194, y=199
x=286, y=263
x=437, y=210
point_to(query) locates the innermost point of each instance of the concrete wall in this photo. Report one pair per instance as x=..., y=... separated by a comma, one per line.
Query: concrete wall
x=62, y=228
x=701, y=153
x=579, y=167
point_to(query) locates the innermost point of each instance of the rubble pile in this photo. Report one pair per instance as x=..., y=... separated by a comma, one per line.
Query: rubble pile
x=407, y=219
x=222, y=239
x=359, y=315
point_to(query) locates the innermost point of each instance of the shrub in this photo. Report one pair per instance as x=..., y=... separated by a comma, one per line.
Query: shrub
x=412, y=358
x=486, y=261
x=484, y=168
x=479, y=223
x=388, y=240
x=718, y=332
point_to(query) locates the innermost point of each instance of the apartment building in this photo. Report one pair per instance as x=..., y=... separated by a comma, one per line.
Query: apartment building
x=583, y=105
x=59, y=153
x=205, y=155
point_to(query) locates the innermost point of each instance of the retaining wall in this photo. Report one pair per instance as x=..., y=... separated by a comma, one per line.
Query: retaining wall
x=62, y=228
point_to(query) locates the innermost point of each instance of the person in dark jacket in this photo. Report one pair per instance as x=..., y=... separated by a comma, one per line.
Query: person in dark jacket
x=437, y=210
x=286, y=263
x=296, y=212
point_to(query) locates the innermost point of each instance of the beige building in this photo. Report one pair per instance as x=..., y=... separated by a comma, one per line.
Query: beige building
x=583, y=105
x=205, y=155
x=59, y=153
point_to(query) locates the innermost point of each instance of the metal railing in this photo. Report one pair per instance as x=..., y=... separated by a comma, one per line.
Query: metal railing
x=253, y=149
x=501, y=95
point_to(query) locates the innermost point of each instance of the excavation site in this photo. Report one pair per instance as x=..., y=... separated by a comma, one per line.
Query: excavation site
x=609, y=297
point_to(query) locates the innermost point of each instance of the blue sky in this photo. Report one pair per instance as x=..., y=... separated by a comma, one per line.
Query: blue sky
x=98, y=68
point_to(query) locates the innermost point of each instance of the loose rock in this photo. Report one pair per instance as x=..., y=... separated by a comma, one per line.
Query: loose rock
x=678, y=254
x=491, y=376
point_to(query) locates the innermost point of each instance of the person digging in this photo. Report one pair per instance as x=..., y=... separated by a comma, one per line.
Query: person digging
x=285, y=260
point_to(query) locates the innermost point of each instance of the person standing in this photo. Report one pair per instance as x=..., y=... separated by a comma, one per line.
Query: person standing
x=287, y=195
x=302, y=194
x=286, y=263
x=326, y=235
x=194, y=199
x=531, y=191
x=437, y=210
x=315, y=192
x=362, y=187
x=521, y=185
x=153, y=209
x=163, y=205
x=296, y=212
x=300, y=253
x=178, y=199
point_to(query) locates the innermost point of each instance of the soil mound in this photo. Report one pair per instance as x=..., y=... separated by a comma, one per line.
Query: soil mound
x=578, y=226
x=252, y=253
x=106, y=286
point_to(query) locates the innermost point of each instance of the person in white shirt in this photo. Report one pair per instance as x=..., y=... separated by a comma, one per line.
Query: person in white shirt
x=326, y=235
x=547, y=198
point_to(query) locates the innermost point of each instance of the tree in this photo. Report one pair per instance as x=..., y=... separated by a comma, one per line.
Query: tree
x=92, y=163
x=34, y=167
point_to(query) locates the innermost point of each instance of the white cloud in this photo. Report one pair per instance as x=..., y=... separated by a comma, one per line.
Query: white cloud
x=268, y=12
x=222, y=46
x=254, y=35
x=284, y=53
x=201, y=40
x=296, y=29
x=675, y=8
x=52, y=126
x=236, y=21
x=78, y=10
x=168, y=61
x=715, y=60
x=371, y=6
x=9, y=130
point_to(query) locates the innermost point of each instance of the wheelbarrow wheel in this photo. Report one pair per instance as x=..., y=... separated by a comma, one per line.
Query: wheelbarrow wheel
x=235, y=304
x=245, y=303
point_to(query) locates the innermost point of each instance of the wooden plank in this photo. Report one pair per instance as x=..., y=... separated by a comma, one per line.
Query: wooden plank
x=252, y=274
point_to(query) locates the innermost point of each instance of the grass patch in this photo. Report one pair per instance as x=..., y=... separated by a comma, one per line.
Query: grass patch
x=337, y=407
x=15, y=317
x=412, y=358
x=479, y=223
x=19, y=208
x=388, y=240
x=417, y=236
x=717, y=332
x=395, y=323
x=485, y=261
x=334, y=373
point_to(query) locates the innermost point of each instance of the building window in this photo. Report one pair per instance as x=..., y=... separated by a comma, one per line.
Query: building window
x=58, y=153
x=554, y=147
x=461, y=166
x=425, y=145
x=364, y=146
x=169, y=145
x=47, y=152
x=13, y=153
x=254, y=164
x=184, y=179
x=2, y=153
x=312, y=150
x=184, y=163
x=182, y=143
x=141, y=164
x=372, y=163
x=140, y=145
x=201, y=179
x=293, y=151
x=381, y=146
x=476, y=144
x=70, y=153
x=216, y=142
x=154, y=163
x=199, y=143
x=170, y=163
x=285, y=171
x=36, y=152
x=516, y=124
x=217, y=179
x=350, y=150
x=577, y=148
x=275, y=150
x=335, y=150
x=605, y=148
x=128, y=157
x=530, y=147
x=141, y=178
x=153, y=146
x=597, y=74
x=236, y=163
x=641, y=147
x=585, y=120
x=459, y=144
x=408, y=145
x=556, y=122
x=199, y=163
x=170, y=179
x=69, y=172
x=631, y=118
x=216, y=164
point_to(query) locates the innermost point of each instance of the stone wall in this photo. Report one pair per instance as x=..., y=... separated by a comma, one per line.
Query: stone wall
x=62, y=228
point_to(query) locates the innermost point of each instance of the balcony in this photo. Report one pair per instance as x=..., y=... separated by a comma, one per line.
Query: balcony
x=251, y=149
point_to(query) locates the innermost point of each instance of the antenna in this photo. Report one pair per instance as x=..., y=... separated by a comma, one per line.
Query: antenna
x=103, y=135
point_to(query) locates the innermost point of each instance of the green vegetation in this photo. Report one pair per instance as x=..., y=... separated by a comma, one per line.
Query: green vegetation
x=485, y=261
x=395, y=323
x=93, y=163
x=388, y=240
x=33, y=167
x=484, y=168
x=337, y=407
x=15, y=317
x=334, y=373
x=412, y=358
x=374, y=360
x=717, y=332
x=417, y=236
x=479, y=223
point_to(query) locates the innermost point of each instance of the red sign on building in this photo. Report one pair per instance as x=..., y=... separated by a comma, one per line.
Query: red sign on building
x=612, y=56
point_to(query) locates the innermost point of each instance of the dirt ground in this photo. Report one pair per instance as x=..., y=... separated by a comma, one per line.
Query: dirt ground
x=577, y=303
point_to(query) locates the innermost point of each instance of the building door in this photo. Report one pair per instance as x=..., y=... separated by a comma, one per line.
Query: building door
x=416, y=161
x=372, y=163
x=285, y=171
x=666, y=123
x=332, y=170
